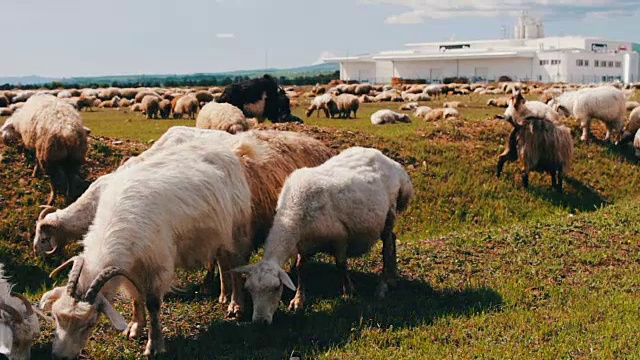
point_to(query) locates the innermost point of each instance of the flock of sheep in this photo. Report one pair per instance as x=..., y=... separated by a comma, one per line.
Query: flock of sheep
x=243, y=189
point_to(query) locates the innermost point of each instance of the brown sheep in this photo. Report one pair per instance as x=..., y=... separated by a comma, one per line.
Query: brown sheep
x=347, y=104
x=165, y=108
x=502, y=102
x=186, y=105
x=151, y=106
x=204, y=96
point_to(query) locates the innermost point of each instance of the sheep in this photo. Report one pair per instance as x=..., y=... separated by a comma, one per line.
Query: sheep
x=204, y=96
x=604, y=103
x=137, y=107
x=362, y=89
x=636, y=143
x=153, y=218
x=346, y=104
x=325, y=102
x=632, y=126
x=129, y=94
x=22, y=96
x=382, y=117
x=260, y=98
x=164, y=107
x=215, y=90
x=630, y=105
x=56, y=131
x=409, y=106
x=222, y=116
x=441, y=114
x=433, y=90
x=502, y=102
x=19, y=324
x=520, y=108
x=455, y=104
x=4, y=111
x=543, y=146
x=343, y=206
x=85, y=102
x=150, y=106
x=421, y=111
x=186, y=105
x=141, y=94
x=4, y=101
x=113, y=103
x=124, y=103
x=109, y=93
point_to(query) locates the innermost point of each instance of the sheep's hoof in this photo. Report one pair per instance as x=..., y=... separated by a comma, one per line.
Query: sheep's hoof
x=132, y=330
x=153, y=350
x=296, y=304
x=222, y=299
x=233, y=315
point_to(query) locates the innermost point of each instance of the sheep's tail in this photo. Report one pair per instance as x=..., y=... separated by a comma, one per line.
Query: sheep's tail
x=247, y=148
x=405, y=193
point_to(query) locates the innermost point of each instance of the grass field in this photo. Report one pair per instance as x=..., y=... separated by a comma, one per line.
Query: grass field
x=490, y=270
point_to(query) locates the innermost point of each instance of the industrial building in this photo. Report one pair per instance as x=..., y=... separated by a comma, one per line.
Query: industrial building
x=528, y=56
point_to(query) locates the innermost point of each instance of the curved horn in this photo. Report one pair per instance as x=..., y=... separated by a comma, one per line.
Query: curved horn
x=25, y=301
x=74, y=275
x=102, y=279
x=46, y=211
x=59, y=268
x=52, y=251
x=15, y=315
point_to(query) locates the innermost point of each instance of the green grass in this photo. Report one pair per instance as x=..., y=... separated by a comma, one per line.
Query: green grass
x=490, y=270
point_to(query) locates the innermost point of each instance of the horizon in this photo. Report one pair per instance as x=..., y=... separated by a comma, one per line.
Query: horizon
x=243, y=35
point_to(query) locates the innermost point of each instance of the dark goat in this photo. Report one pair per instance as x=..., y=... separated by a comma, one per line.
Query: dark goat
x=260, y=98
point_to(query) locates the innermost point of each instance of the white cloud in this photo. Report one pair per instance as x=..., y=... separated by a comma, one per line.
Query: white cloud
x=324, y=55
x=225, y=36
x=419, y=10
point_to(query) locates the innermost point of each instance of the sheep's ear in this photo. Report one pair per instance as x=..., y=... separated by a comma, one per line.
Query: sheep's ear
x=117, y=320
x=50, y=297
x=6, y=340
x=286, y=280
x=519, y=99
x=244, y=269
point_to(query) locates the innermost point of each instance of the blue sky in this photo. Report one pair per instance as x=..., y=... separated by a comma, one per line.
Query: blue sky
x=81, y=38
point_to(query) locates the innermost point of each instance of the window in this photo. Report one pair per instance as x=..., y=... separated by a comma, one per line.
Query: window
x=610, y=64
x=604, y=78
x=579, y=62
x=586, y=63
x=596, y=63
x=618, y=64
x=555, y=62
x=603, y=64
x=544, y=62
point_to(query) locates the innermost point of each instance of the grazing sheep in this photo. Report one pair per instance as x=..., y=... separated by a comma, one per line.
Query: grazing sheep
x=222, y=116
x=346, y=104
x=19, y=324
x=421, y=111
x=129, y=94
x=454, y=104
x=441, y=114
x=382, y=117
x=630, y=105
x=260, y=98
x=604, y=103
x=632, y=126
x=409, y=106
x=85, y=102
x=114, y=103
x=109, y=93
x=342, y=206
x=543, y=146
x=54, y=129
x=204, y=96
x=140, y=95
x=502, y=102
x=164, y=107
x=362, y=89
x=151, y=106
x=186, y=105
x=433, y=90
x=520, y=108
x=326, y=103
x=200, y=209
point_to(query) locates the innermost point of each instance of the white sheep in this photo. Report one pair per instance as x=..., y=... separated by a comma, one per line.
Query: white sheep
x=344, y=206
x=386, y=116
x=346, y=104
x=324, y=102
x=632, y=126
x=222, y=116
x=152, y=218
x=421, y=111
x=18, y=322
x=603, y=103
x=55, y=130
x=186, y=105
x=433, y=90
x=636, y=143
x=409, y=106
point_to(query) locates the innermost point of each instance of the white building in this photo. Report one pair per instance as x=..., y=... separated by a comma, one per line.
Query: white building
x=529, y=56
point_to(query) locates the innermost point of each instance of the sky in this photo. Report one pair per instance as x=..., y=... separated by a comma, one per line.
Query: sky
x=66, y=38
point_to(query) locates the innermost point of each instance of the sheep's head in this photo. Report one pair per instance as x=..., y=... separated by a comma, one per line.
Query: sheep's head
x=76, y=315
x=265, y=281
x=18, y=328
x=45, y=242
x=9, y=133
x=404, y=118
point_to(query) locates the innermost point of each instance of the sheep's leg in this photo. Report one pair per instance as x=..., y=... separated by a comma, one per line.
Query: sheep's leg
x=227, y=262
x=510, y=153
x=137, y=321
x=390, y=265
x=341, y=264
x=297, y=303
x=155, y=344
x=225, y=284
x=553, y=179
x=209, y=279
x=586, y=129
x=35, y=170
x=525, y=178
x=560, y=175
